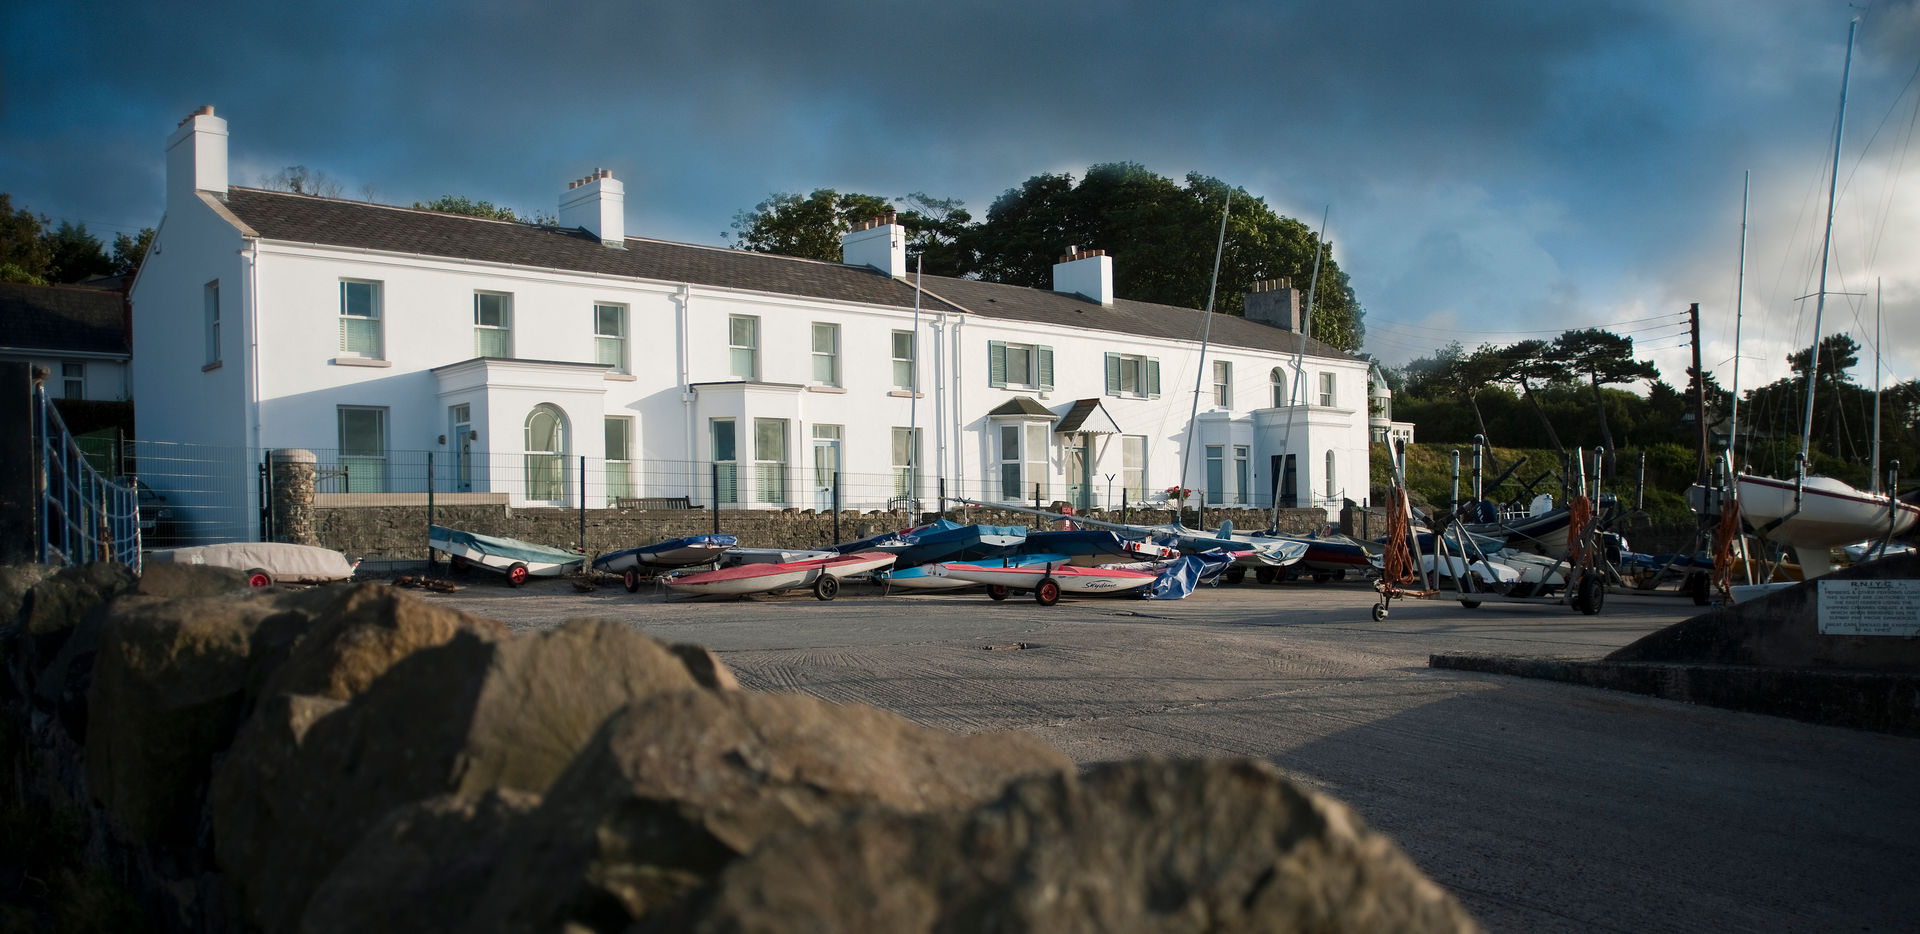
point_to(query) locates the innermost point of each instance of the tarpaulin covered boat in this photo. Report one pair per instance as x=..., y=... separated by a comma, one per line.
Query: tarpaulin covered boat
x=515, y=559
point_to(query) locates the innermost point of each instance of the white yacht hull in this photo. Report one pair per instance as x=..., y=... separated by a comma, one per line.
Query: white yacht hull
x=1830, y=514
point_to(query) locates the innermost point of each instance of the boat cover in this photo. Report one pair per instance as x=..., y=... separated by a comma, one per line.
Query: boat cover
x=502, y=547
x=1079, y=542
x=640, y=554
x=1184, y=574
x=282, y=561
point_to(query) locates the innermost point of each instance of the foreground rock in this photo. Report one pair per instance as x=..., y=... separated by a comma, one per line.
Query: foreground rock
x=464, y=718
x=175, y=677
x=677, y=787
x=1219, y=846
x=420, y=868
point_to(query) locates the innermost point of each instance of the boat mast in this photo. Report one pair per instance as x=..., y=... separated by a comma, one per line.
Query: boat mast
x=1206, y=331
x=1826, y=247
x=1739, y=294
x=1876, y=387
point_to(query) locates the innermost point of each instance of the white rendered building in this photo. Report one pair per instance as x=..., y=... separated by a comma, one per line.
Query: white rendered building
x=267, y=320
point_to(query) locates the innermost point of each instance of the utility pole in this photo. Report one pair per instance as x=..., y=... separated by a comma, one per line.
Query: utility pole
x=1699, y=396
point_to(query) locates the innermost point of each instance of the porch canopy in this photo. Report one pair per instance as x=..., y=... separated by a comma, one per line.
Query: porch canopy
x=1087, y=417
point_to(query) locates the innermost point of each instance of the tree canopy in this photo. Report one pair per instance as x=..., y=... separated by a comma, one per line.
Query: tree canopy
x=1160, y=233
x=34, y=250
x=461, y=204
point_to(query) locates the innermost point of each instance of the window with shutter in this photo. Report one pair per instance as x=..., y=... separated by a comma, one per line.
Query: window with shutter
x=1043, y=358
x=1113, y=374
x=1153, y=378
x=997, y=364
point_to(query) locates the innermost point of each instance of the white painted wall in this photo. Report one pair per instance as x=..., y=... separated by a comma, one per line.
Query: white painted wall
x=427, y=322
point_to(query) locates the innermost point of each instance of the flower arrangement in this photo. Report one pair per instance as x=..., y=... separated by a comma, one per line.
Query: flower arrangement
x=1178, y=493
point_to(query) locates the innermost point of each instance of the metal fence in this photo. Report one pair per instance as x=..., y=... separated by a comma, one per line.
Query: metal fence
x=84, y=516
x=198, y=494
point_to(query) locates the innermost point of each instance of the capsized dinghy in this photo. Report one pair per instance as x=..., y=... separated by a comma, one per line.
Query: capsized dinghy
x=512, y=557
x=674, y=553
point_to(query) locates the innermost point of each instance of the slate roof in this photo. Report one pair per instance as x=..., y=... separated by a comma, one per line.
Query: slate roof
x=1076, y=419
x=307, y=219
x=62, y=318
x=1021, y=406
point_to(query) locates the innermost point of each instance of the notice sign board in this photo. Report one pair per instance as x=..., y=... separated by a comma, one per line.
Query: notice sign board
x=1870, y=608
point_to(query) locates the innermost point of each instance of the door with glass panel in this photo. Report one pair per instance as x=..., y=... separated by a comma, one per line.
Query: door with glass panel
x=546, y=448
x=826, y=463
x=460, y=431
x=726, y=467
x=1079, y=451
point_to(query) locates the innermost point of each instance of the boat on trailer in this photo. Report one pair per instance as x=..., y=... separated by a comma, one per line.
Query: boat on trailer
x=1046, y=581
x=921, y=577
x=823, y=575
x=633, y=564
x=516, y=560
x=942, y=540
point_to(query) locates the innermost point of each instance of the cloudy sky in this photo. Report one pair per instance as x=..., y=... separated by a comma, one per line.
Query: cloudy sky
x=1493, y=170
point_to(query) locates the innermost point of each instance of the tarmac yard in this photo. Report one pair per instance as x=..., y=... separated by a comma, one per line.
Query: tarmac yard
x=1543, y=806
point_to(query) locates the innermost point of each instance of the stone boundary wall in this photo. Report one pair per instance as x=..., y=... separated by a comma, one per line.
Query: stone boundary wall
x=400, y=532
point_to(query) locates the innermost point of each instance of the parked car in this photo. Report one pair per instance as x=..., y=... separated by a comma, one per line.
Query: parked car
x=158, y=526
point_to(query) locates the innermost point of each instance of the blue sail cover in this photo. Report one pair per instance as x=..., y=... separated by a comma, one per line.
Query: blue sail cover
x=1080, y=543
x=940, y=540
x=1184, y=574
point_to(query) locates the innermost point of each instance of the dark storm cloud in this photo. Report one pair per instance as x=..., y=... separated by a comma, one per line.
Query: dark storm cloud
x=1484, y=162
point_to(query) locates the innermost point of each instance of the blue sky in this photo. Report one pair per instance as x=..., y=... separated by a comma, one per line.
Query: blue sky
x=1494, y=171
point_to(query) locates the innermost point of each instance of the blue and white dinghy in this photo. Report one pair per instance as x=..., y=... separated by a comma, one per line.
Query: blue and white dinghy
x=515, y=559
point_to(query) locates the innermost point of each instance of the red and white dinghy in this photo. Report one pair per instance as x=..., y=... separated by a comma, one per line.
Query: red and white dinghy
x=1047, y=583
x=1831, y=514
x=821, y=574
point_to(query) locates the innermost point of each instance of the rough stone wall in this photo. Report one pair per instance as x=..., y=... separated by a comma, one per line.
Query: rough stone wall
x=401, y=531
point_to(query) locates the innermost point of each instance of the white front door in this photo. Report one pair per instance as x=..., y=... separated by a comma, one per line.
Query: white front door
x=826, y=464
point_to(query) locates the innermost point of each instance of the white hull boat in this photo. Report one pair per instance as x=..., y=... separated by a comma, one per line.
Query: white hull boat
x=515, y=559
x=1831, y=514
x=822, y=574
x=1047, y=582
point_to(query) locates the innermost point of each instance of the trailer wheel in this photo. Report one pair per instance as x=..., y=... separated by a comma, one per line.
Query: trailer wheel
x=1470, y=604
x=631, y=580
x=1700, y=589
x=517, y=574
x=1321, y=577
x=1591, y=595
x=1266, y=575
x=827, y=587
x=997, y=591
x=258, y=577
x=1236, y=574
x=1048, y=593
x=1379, y=612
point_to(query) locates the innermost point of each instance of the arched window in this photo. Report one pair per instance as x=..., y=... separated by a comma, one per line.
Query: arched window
x=546, y=447
x=1330, y=487
x=1279, y=380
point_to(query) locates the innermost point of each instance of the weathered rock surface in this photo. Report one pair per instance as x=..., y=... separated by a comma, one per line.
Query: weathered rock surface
x=167, y=693
x=676, y=787
x=463, y=718
x=15, y=581
x=352, y=635
x=420, y=868
x=55, y=605
x=1208, y=846
x=167, y=579
x=179, y=674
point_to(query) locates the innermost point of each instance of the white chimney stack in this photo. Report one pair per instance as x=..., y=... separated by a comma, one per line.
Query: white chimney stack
x=1087, y=273
x=597, y=203
x=880, y=243
x=197, y=156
